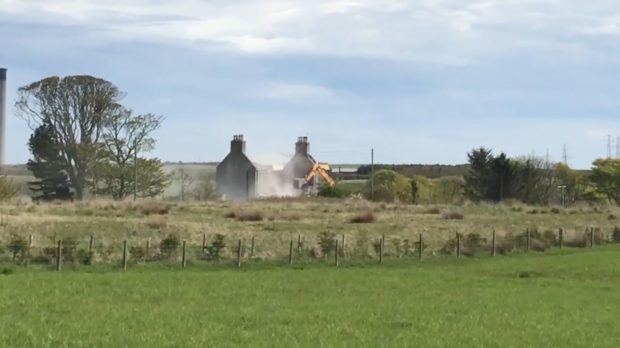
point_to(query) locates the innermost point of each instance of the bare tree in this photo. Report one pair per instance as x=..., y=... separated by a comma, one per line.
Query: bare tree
x=184, y=179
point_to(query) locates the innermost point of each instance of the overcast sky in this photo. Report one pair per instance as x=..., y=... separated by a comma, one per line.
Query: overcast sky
x=420, y=81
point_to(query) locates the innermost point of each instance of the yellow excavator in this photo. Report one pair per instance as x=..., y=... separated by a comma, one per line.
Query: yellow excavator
x=322, y=170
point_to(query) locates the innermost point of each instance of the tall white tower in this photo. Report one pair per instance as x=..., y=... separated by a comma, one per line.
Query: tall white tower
x=2, y=115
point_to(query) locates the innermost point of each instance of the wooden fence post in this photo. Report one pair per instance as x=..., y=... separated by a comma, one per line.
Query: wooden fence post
x=592, y=237
x=381, y=248
x=420, y=247
x=494, y=246
x=527, y=240
x=204, y=242
x=253, y=247
x=125, y=255
x=458, y=244
x=344, y=249
x=561, y=238
x=290, y=253
x=59, y=256
x=183, y=255
x=91, y=243
x=239, y=254
x=299, y=247
x=336, y=256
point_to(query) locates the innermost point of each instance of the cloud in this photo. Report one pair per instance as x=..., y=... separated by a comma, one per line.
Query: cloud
x=293, y=92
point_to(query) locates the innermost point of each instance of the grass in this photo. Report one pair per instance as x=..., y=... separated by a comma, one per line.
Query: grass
x=556, y=299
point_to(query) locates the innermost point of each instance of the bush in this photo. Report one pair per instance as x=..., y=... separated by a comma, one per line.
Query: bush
x=453, y=216
x=615, y=236
x=365, y=218
x=230, y=215
x=433, y=211
x=18, y=246
x=327, y=242
x=85, y=257
x=389, y=186
x=331, y=192
x=138, y=253
x=169, y=245
x=216, y=247
x=251, y=216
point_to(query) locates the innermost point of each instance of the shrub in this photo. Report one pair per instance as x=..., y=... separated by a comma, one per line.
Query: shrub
x=327, y=242
x=389, y=186
x=154, y=208
x=18, y=246
x=169, y=245
x=365, y=218
x=555, y=211
x=216, y=247
x=251, y=216
x=473, y=241
x=230, y=215
x=138, y=253
x=612, y=217
x=453, y=216
x=331, y=192
x=85, y=257
x=615, y=236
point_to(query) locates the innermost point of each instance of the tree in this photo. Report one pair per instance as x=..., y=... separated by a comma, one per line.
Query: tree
x=74, y=108
x=606, y=177
x=479, y=177
x=535, y=180
x=575, y=184
x=184, y=179
x=502, y=178
x=389, y=186
x=414, y=191
x=205, y=187
x=46, y=166
x=152, y=180
x=123, y=137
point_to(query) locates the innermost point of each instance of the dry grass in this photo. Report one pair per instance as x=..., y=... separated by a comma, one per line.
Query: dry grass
x=249, y=216
x=156, y=222
x=432, y=211
x=154, y=207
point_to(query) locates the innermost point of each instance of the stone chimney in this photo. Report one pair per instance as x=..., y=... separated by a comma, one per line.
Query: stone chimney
x=237, y=145
x=302, y=146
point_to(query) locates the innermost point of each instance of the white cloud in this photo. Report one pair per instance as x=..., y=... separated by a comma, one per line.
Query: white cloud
x=439, y=31
x=293, y=92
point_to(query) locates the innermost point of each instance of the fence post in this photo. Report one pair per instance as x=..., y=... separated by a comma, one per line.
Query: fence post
x=30, y=243
x=344, y=249
x=125, y=255
x=420, y=247
x=290, y=253
x=299, y=243
x=252, y=249
x=148, y=248
x=592, y=237
x=381, y=248
x=59, y=256
x=561, y=238
x=494, y=251
x=204, y=242
x=239, y=254
x=336, y=256
x=183, y=255
x=91, y=243
x=527, y=240
x=458, y=244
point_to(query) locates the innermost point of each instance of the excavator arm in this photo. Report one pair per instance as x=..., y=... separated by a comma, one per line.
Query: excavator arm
x=320, y=170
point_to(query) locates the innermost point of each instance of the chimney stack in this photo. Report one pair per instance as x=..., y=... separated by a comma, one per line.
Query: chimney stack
x=302, y=146
x=2, y=114
x=237, y=145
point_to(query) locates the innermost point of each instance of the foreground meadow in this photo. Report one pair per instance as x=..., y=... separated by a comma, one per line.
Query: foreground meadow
x=554, y=299
x=274, y=223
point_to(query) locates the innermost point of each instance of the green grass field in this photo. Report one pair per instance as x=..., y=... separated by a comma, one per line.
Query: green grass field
x=555, y=299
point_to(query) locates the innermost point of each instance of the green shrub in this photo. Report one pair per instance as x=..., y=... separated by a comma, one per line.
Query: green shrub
x=18, y=246
x=331, y=192
x=389, y=186
x=216, y=247
x=327, y=242
x=169, y=245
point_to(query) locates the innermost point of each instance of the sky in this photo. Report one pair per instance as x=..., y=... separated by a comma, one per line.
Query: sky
x=419, y=81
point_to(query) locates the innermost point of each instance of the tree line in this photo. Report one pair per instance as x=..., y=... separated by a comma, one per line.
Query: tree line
x=536, y=180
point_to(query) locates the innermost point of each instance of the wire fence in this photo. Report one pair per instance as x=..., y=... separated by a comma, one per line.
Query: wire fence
x=327, y=248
